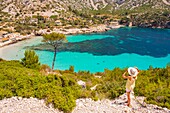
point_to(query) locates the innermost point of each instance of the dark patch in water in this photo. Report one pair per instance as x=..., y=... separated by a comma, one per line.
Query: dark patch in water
x=111, y=46
x=150, y=42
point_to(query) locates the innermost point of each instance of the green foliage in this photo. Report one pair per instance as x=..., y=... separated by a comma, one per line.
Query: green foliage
x=154, y=85
x=71, y=69
x=1, y=59
x=54, y=17
x=17, y=80
x=113, y=84
x=23, y=29
x=54, y=39
x=76, y=12
x=31, y=60
x=5, y=93
x=62, y=91
x=168, y=64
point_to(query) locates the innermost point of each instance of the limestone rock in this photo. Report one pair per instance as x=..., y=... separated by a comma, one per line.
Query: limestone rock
x=83, y=105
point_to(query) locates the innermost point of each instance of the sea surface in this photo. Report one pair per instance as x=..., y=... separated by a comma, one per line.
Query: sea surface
x=123, y=47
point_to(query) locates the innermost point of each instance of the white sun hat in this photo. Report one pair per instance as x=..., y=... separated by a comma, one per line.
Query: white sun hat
x=132, y=71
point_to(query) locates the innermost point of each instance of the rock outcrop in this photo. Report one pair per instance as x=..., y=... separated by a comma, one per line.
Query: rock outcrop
x=117, y=106
x=87, y=105
x=25, y=105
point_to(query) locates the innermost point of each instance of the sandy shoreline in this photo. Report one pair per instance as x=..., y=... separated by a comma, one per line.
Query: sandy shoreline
x=16, y=37
x=16, y=50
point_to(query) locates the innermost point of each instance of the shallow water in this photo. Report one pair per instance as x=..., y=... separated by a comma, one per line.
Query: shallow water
x=139, y=47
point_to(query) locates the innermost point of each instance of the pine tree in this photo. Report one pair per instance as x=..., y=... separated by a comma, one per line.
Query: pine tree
x=54, y=39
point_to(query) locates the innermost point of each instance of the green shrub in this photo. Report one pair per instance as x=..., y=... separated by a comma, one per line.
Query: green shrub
x=31, y=60
x=5, y=93
x=71, y=69
x=17, y=80
x=1, y=59
x=62, y=91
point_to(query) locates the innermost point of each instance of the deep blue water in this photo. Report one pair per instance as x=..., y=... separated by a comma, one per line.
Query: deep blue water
x=121, y=48
x=141, y=41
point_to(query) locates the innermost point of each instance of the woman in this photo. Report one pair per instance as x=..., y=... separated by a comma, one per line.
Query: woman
x=130, y=84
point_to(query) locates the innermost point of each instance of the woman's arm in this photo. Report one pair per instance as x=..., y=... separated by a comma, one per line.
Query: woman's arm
x=124, y=75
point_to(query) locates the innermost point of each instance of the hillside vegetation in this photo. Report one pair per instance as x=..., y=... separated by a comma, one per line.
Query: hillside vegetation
x=61, y=89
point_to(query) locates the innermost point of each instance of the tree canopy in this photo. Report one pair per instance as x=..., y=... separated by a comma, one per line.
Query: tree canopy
x=54, y=39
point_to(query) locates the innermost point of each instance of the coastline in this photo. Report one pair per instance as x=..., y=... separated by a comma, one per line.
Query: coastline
x=15, y=51
x=14, y=38
x=71, y=31
x=10, y=38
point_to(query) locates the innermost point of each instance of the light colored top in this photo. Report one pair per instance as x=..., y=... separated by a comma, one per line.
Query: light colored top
x=130, y=84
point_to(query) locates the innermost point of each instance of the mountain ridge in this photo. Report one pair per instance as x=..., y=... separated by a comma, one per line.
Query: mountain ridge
x=33, y=15
x=29, y=6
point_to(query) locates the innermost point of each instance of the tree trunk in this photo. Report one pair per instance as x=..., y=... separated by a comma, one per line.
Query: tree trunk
x=55, y=53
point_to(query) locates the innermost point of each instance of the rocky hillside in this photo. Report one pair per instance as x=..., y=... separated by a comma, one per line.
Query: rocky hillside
x=55, y=6
x=32, y=15
x=33, y=105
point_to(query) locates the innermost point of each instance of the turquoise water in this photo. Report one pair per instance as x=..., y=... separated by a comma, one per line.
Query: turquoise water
x=79, y=38
x=85, y=61
x=139, y=47
x=121, y=48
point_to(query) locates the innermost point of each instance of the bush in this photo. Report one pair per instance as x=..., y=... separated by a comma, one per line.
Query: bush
x=17, y=80
x=71, y=69
x=31, y=60
x=1, y=59
x=62, y=91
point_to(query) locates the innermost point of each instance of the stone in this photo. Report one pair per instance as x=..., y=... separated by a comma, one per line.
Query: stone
x=84, y=105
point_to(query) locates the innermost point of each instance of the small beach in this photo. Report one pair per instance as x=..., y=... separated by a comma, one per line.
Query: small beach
x=16, y=51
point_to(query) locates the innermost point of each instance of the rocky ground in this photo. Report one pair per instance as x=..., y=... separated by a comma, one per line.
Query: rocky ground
x=33, y=105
